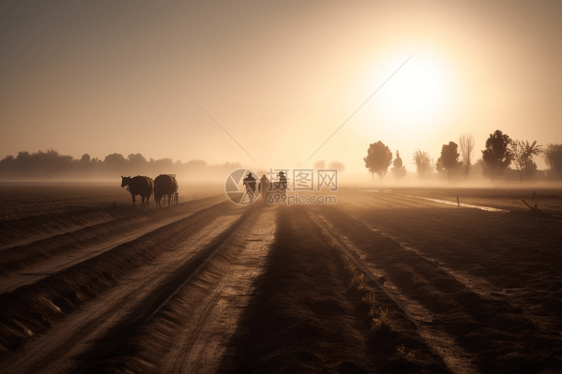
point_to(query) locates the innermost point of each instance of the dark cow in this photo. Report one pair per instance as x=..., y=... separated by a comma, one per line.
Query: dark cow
x=139, y=185
x=165, y=184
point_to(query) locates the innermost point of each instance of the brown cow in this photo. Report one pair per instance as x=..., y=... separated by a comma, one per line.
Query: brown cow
x=139, y=185
x=165, y=184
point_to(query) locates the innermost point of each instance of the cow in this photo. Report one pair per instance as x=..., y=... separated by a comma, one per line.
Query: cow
x=139, y=185
x=165, y=184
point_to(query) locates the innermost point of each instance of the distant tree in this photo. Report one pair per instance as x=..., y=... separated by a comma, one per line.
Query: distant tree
x=522, y=152
x=115, y=162
x=196, y=164
x=497, y=155
x=439, y=168
x=378, y=159
x=163, y=166
x=137, y=164
x=337, y=165
x=553, y=158
x=398, y=169
x=423, y=163
x=136, y=159
x=466, y=147
x=51, y=164
x=320, y=164
x=24, y=161
x=85, y=165
x=7, y=165
x=40, y=164
x=449, y=157
x=85, y=160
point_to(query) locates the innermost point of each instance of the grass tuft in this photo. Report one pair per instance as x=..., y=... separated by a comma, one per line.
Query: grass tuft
x=358, y=282
x=402, y=357
x=381, y=321
x=369, y=297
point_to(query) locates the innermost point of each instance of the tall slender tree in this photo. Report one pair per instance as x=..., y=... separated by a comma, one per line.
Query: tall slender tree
x=398, y=169
x=466, y=147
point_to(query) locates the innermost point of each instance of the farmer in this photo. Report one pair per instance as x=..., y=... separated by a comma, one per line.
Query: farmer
x=264, y=185
x=282, y=181
x=250, y=184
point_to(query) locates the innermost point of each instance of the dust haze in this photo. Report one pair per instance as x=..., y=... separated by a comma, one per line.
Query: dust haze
x=280, y=187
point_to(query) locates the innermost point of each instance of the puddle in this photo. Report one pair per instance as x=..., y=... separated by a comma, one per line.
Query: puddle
x=486, y=208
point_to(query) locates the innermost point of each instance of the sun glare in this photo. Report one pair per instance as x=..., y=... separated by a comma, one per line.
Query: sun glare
x=413, y=88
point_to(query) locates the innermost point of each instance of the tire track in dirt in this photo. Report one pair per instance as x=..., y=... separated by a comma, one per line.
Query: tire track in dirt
x=501, y=336
x=31, y=310
x=190, y=334
x=306, y=318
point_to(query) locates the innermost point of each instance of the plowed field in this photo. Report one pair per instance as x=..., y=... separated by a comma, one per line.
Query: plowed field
x=390, y=282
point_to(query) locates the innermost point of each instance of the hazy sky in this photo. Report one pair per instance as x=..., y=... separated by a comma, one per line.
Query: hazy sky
x=279, y=76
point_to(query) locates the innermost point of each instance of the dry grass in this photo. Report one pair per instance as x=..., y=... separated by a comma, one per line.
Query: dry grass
x=402, y=357
x=381, y=319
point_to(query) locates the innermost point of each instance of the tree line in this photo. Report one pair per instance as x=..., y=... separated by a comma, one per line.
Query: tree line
x=499, y=154
x=51, y=164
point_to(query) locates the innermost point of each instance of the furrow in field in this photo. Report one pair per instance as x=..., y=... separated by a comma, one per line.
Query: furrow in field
x=30, y=310
x=442, y=343
x=94, y=329
x=22, y=232
x=306, y=317
x=529, y=300
x=192, y=331
x=30, y=263
x=501, y=336
x=509, y=257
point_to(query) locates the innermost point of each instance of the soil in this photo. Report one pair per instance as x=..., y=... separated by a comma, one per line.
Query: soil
x=392, y=282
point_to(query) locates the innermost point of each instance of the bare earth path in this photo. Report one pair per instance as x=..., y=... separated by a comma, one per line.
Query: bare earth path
x=192, y=331
x=307, y=317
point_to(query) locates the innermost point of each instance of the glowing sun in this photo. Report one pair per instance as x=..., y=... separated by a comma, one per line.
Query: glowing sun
x=412, y=88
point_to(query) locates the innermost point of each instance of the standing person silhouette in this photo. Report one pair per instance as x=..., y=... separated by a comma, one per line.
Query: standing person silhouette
x=250, y=184
x=264, y=186
x=282, y=181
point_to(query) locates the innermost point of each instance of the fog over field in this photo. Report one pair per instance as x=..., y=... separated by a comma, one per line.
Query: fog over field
x=278, y=77
x=280, y=186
